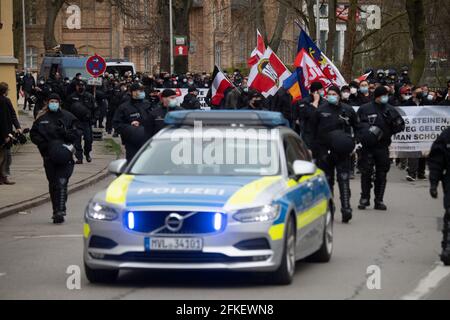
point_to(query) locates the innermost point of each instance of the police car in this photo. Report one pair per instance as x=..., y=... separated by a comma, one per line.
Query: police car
x=221, y=190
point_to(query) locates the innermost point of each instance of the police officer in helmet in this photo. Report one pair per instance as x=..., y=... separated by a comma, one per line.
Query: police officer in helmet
x=54, y=132
x=439, y=165
x=380, y=121
x=134, y=121
x=335, y=125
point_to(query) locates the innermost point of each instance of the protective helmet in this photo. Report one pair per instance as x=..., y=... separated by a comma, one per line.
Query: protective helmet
x=341, y=142
x=370, y=136
x=60, y=154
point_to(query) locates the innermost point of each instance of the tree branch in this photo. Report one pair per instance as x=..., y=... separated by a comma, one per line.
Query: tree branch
x=386, y=23
x=381, y=42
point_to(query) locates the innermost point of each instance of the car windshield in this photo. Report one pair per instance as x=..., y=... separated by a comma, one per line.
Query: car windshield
x=249, y=157
x=121, y=70
x=71, y=72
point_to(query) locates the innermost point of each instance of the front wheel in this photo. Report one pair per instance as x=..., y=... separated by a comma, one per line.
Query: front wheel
x=100, y=275
x=326, y=250
x=285, y=273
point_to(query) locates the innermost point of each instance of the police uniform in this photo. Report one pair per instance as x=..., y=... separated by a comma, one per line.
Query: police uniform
x=134, y=137
x=439, y=165
x=159, y=114
x=379, y=123
x=54, y=133
x=333, y=139
x=82, y=105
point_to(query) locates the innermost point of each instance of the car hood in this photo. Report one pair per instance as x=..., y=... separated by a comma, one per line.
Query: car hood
x=143, y=191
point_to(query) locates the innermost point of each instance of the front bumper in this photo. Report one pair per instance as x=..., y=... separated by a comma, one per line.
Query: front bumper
x=219, y=251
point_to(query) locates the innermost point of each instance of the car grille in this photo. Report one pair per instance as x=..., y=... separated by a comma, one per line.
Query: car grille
x=193, y=223
x=176, y=257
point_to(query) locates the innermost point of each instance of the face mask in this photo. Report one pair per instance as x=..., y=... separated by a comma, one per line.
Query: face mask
x=191, y=83
x=322, y=93
x=173, y=103
x=333, y=99
x=42, y=82
x=364, y=90
x=140, y=95
x=353, y=90
x=430, y=97
x=384, y=99
x=345, y=95
x=53, y=106
x=406, y=97
x=245, y=89
x=425, y=93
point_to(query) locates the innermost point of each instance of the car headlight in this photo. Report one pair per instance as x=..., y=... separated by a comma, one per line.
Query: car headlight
x=258, y=214
x=99, y=211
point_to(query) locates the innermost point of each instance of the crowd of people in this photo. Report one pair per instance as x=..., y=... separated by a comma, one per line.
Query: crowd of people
x=134, y=107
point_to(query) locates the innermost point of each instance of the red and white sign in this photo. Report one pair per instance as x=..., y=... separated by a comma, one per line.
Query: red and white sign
x=181, y=50
x=96, y=66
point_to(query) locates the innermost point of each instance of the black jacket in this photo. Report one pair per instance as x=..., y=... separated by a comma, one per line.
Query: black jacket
x=159, y=113
x=54, y=126
x=439, y=164
x=190, y=102
x=385, y=117
x=127, y=113
x=304, y=110
x=6, y=119
x=331, y=118
x=81, y=106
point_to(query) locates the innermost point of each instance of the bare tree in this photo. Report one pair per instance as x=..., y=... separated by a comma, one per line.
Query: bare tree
x=52, y=9
x=416, y=22
x=350, y=40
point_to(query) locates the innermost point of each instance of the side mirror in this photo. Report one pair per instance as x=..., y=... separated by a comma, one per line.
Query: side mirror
x=304, y=168
x=117, y=167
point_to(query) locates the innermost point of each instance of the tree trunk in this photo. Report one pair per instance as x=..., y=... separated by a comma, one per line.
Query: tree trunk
x=181, y=10
x=350, y=41
x=165, y=44
x=312, y=20
x=260, y=19
x=331, y=29
x=416, y=22
x=279, y=27
x=52, y=7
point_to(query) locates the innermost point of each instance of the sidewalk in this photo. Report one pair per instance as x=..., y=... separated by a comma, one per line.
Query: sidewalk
x=31, y=188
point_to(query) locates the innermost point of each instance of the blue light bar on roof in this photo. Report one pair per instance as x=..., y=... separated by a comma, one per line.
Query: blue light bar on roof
x=226, y=117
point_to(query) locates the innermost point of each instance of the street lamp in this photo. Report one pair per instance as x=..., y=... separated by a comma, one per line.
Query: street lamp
x=24, y=36
x=171, y=38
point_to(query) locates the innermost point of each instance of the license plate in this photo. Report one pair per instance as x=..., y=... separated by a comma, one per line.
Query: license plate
x=175, y=244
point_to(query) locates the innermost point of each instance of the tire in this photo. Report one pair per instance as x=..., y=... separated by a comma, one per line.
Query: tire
x=100, y=275
x=284, y=275
x=325, y=252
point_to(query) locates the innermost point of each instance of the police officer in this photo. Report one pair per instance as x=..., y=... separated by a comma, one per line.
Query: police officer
x=439, y=164
x=54, y=132
x=82, y=105
x=40, y=95
x=380, y=121
x=134, y=121
x=256, y=101
x=335, y=125
x=168, y=103
x=191, y=101
x=306, y=107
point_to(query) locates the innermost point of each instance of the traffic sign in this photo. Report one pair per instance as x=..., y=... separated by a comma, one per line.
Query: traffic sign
x=96, y=66
x=181, y=51
x=180, y=40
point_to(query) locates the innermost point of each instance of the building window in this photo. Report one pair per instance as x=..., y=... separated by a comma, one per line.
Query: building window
x=323, y=40
x=30, y=12
x=147, y=59
x=32, y=57
x=218, y=54
x=127, y=53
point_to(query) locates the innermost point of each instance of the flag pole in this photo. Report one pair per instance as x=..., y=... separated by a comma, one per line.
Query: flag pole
x=318, y=23
x=171, y=38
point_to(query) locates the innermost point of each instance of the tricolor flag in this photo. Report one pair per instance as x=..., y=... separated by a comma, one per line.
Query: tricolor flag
x=268, y=74
x=259, y=51
x=292, y=85
x=219, y=85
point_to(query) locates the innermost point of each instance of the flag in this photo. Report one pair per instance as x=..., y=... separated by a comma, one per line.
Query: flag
x=309, y=71
x=364, y=76
x=292, y=85
x=219, y=85
x=268, y=75
x=259, y=50
x=327, y=67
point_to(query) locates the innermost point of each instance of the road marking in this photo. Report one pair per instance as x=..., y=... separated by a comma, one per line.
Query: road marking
x=428, y=283
x=50, y=236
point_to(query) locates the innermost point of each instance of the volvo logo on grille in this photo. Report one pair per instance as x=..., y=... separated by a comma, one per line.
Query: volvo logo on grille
x=174, y=222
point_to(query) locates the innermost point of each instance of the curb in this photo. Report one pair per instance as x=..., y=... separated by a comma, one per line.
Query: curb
x=44, y=198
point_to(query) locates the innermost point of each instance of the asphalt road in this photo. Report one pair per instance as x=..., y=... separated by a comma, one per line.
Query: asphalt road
x=404, y=243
